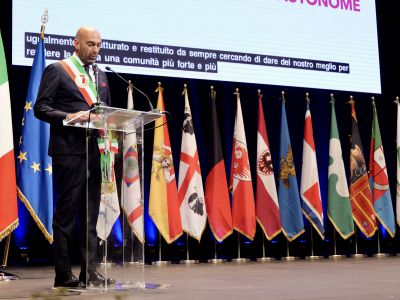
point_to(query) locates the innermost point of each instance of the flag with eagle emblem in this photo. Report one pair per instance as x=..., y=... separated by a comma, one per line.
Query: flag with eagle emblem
x=267, y=206
x=243, y=206
x=288, y=191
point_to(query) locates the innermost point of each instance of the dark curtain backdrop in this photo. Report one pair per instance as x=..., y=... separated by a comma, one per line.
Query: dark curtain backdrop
x=35, y=246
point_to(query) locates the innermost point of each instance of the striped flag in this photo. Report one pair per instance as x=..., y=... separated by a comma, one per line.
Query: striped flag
x=378, y=178
x=34, y=165
x=360, y=192
x=267, y=206
x=216, y=189
x=190, y=184
x=8, y=190
x=310, y=191
x=132, y=196
x=163, y=202
x=243, y=206
x=398, y=164
x=288, y=191
x=339, y=208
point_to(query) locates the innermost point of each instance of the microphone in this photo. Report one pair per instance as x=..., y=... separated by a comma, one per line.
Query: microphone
x=96, y=78
x=148, y=100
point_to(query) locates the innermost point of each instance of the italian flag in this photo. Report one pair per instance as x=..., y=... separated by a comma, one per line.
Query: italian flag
x=8, y=188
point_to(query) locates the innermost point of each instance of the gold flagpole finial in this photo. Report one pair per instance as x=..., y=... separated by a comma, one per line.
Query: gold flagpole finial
x=130, y=85
x=373, y=99
x=213, y=93
x=184, y=89
x=159, y=87
x=397, y=100
x=259, y=93
x=237, y=93
x=351, y=101
x=283, y=96
x=308, y=98
x=44, y=20
x=332, y=98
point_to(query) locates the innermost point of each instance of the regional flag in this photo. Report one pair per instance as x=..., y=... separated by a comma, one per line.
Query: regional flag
x=132, y=203
x=310, y=191
x=109, y=205
x=267, y=206
x=243, y=207
x=339, y=208
x=398, y=164
x=288, y=191
x=378, y=178
x=216, y=190
x=190, y=184
x=360, y=192
x=164, y=203
x=8, y=191
x=34, y=168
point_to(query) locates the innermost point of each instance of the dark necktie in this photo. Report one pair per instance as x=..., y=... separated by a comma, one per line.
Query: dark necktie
x=86, y=67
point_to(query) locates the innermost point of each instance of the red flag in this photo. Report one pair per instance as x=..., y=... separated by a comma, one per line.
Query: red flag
x=216, y=189
x=243, y=207
x=360, y=192
x=267, y=206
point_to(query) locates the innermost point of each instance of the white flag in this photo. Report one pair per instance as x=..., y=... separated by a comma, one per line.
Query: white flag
x=109, y=205
x=132, y=203
x=190, y=185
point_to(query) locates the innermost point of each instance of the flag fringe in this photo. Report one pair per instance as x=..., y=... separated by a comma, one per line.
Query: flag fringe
x=133, y=228
x=216, y=236
x=245, y=234
x=313, y=224
x=37, y=220
x=384, y=225
x=345, y=237
x=195, y=237
x=291, y=239
x=10, y=228
x=270, y=238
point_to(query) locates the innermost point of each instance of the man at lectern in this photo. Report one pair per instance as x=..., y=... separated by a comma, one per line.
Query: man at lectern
x=67, y=89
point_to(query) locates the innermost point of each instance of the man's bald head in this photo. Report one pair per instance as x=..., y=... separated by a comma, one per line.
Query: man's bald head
x=87, y=44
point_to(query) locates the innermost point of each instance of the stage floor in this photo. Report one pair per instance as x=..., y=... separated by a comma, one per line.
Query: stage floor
x=348, y=278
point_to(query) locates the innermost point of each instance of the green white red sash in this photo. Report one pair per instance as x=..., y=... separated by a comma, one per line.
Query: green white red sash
x=82, y=80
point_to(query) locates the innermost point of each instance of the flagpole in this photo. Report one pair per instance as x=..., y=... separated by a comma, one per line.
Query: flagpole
x=188, y=261
x=356, y=254
x=379, y=254
x=216, y=260
x=312, y=256
x=239, y=259
x=160, y=262
x=4, y=276
x=335, y=255
x=264, y=258
x=288, y=257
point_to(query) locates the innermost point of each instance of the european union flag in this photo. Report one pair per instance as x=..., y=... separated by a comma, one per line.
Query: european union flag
x=34, y=166
x=288, y=191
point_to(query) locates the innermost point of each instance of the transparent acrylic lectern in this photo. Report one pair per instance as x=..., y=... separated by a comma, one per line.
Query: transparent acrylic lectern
x=114, y=143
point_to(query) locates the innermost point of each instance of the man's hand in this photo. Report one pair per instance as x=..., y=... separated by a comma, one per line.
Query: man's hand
x=81, y=116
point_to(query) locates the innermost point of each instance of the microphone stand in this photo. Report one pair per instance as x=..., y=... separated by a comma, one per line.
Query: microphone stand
x=152, y=109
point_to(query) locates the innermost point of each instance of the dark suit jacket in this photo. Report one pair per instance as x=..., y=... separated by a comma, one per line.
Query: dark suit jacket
x=58, y=95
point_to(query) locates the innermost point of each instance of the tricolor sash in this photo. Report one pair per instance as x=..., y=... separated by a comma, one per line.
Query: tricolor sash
x=82, y=80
